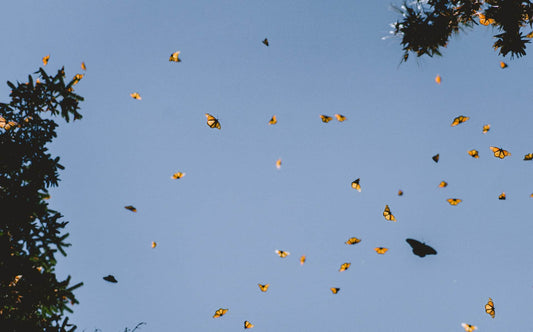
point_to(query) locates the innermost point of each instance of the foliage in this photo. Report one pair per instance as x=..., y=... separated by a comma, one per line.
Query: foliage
x=31, y=296
x=427, y=25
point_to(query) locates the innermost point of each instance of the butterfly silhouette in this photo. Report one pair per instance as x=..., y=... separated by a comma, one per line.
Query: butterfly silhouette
x=435, y=158
x=420, y=249
x=110, y=278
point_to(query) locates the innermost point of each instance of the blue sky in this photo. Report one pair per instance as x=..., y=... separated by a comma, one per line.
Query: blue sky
x=217, y=228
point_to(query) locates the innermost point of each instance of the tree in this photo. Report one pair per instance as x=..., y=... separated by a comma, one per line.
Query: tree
x=427, y=25
x=31, y=296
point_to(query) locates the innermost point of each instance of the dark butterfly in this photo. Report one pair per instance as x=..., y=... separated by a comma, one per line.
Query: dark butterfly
x=435, y=158
x=420, y=249
x=110, y=278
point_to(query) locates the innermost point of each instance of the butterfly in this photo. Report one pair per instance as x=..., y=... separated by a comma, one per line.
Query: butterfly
x=352, y=241
x=454, y=201
x=400, y=193
x=273, y=120
x=502, y=196
x=528, y=156
x=278, y=163
x=438, y=79
x=340, y=117
x=135, y=95
x=485, y=21
x=15, y=280
x=486, y=128
x=489, y=308
x=474, y=153
x=178, y=175
x=435, y=158
x=443, y=184
x=420, y=249
x=503, y=65
x=356, y=185
x=468, y=327
x=110, y=278
x=345, y=267
x=263, y=288
x=220, y=312
x=381, y=250
x=131, y=208
x=76, y=79
x=265, y=42
x=212, y=122
x=154, y=244
x=7, y=124
x=499, y=152
x=282, y=253
x=335, y=290
x=174, y=57
x=45, y=59
x=325, y=118
x=83, y=66
x=302, y=260
x=459, y=119
x=248, y=325
x=387, y=214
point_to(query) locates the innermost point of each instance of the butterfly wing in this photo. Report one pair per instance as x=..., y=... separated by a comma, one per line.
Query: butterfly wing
x=420, y=249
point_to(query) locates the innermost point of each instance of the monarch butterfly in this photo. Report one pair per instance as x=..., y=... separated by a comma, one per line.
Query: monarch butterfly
x=135, y=95
x=263, y=288
x=352, y=241
x=325, y=118
x=110, y=278
x=485, y=21
x=468, y=327
x=420, y=249
x=265, y=42
x=282, y=253
x=502, y=197
x=459, y=119
x=400, y=193
x=528, y=156
x=443, y=184
x=273, y=120
x=435, y=158
x=174, y=57
x=131, y=208
x=7, y=124
x=474, y=153
x=220, y=312
x=344, y=267
x=454, y=201
x=212, y=122
x=83, y=67
x=503, y=65
x=340, y=117
x=248, y=325
x=154, y=244
x=45, y=59
x=77, y=78
x=381, y=250
x=302, y=260
x=486, y=128
x=356, y=185
x=335, y=290
x=499, y=152
x=178, y=175
x=489, y=308
x=387, y=214
x=15, y=281
x=278, y=163
x=438, y=79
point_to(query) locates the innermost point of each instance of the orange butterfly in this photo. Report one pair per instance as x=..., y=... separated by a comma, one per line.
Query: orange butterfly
x=345, y=267
x=387, y=214
x=135, y=95
x=438, y=79
x=489, y=308
x=502, y=197
x=282, y=253
x=335, y=290
x=45, y=59
x=325, y=118
x=352, y=241
x=302, y=260
x=443, y=184
x=474, y=153
x=454, y=201
x=131, y=208
x=273, y=120
x=459, y=119
x=381, y=250
x=220, y=312
x=263, y=288
x=174, y=57
x=499, y=152
x=340, y=117
x=248, y=325
x=468, y=327
x=356, y=185
x=486, y=128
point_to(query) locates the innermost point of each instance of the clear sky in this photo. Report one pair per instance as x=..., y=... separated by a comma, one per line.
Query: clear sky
x=218, y=227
